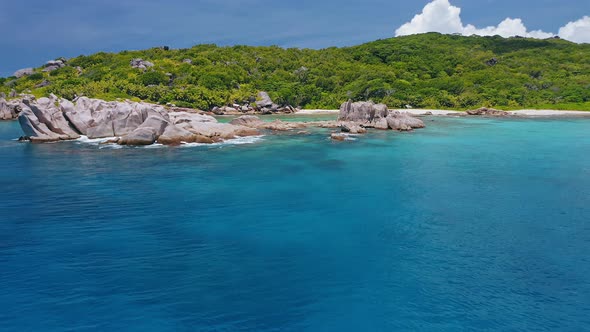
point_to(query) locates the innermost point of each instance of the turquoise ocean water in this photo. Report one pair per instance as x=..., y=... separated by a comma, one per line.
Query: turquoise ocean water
x=467, y=225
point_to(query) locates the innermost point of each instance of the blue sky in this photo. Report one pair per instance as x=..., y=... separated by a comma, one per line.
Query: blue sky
x=35, y=31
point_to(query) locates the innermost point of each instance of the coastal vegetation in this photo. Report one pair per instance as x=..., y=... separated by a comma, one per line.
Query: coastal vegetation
x=422, y=71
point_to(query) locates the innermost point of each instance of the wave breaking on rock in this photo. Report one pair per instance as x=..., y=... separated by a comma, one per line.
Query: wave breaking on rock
x=130, y=123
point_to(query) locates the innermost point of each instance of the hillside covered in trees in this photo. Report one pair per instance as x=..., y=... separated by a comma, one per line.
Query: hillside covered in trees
x=424, y=71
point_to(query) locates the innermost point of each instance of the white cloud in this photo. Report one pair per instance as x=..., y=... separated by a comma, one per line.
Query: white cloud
x=441, y=16
x=578, y=31
x=508, y=28
x=437, y=16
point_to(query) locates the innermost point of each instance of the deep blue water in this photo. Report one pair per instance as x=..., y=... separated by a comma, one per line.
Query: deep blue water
x=470, y=224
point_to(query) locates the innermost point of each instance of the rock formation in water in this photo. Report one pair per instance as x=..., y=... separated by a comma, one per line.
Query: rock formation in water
x=484, y=111
x=403, y=121
x=54, y=119
x=354, y=118
x=131, y=123
x=352, y=128
x=370, y=115
x=277, y=125
x=253, y=121
x=338, y=136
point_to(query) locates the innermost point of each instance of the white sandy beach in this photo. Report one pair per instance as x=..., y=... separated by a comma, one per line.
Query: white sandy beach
x=524, y=113
x=550, y=113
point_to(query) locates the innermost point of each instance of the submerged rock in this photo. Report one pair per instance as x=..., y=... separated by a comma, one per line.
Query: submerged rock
x=338, y=137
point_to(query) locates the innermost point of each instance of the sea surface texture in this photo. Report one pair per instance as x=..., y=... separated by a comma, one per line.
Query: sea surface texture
x=467, y=225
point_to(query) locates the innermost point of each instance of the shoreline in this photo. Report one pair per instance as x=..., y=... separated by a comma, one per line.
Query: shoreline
x=433, y=112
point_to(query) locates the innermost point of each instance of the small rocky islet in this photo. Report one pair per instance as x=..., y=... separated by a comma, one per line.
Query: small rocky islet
x=51, y=119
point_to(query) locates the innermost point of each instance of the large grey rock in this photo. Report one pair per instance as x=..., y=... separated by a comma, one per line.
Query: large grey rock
x=371, y=115
x=155, y=122
x=248, y=121
x=79, y=114
x=174, y=135
x=53, y=65
x=141, y=64
x=15, y=106
x=403, y=121
x=51, y=119
x=97, y=118
x=207, y=126
x=366, y=113
x=484, y=111
x=23, y=72
x=252, y=121
x=50, y=68
x=352, y=128
x=103, y=129
x=219, y=130
x=182, y=117
x=34, y=129
x=125, y=118
x=58, y=63
x=140, y=136
x=47, y=113
x=381, y=124
x=5, y=112
x=264, y=100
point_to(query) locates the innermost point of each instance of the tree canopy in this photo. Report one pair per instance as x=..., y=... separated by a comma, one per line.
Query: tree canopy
x=424, y=71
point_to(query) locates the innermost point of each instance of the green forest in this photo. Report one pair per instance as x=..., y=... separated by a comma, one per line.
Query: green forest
x=424, y=71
